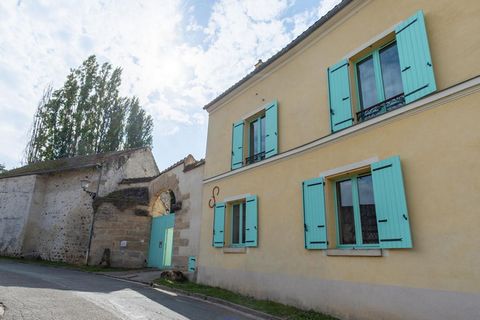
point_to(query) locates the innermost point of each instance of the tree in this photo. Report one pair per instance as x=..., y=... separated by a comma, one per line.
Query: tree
x=87, y=115
x=139, y=126
x=2, y=168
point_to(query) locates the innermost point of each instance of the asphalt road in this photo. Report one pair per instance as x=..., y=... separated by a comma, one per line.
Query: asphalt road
x=38, y=292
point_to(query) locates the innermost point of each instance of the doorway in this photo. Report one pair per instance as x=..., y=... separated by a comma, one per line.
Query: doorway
x=161, y=241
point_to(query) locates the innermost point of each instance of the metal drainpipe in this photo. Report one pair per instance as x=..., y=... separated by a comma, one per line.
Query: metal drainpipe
x=90, y=236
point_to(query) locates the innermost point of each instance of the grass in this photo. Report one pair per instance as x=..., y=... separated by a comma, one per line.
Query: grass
x=58, y=264
x=270, y=307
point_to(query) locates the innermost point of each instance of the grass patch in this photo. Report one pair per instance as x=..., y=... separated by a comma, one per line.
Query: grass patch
x=58, y=264
x=270, y=307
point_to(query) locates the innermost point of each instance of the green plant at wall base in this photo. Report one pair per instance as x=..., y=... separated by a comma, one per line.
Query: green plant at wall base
x=270, y=307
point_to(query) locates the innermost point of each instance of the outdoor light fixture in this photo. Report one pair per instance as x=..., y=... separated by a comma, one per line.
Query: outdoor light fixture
x=85, y=183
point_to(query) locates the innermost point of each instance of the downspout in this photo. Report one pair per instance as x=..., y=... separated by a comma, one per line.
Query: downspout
x=90, y=236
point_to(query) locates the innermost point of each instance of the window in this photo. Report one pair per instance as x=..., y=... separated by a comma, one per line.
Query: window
x=238, y=218
x=389, y=77
x=256, y=147
x=356, y=215
x=235, y=223
x=379, y=82
x=370, y=209
x=255, y=138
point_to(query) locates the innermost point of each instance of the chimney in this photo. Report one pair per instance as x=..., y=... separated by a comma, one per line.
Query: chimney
x=258, y=64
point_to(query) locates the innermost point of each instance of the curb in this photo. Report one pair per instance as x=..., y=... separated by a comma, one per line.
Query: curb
x=252, y=312
x=123, y=279
x=198, y=296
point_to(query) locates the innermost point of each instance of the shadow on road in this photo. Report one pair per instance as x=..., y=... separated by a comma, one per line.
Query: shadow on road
x=13, y=274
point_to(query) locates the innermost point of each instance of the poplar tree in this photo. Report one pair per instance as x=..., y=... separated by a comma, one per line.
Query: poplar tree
x=87, y=115
x=139, y=126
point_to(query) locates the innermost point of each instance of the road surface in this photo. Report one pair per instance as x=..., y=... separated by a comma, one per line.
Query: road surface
x=36, y=292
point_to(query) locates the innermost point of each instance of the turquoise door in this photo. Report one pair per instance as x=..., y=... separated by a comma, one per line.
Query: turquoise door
x=161, y=242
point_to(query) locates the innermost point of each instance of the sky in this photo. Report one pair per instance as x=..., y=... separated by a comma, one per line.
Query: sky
x=176, y=56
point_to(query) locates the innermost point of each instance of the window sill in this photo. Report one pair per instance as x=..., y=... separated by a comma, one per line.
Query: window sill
x=235, y=250
x=355, y=252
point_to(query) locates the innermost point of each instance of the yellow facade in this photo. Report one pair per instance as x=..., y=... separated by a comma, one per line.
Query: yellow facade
x=437, y=140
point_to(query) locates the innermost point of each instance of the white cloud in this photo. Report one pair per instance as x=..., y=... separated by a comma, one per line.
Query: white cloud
x=41, y=40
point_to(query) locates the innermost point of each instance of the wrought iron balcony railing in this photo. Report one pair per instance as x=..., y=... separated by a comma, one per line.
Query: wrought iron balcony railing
x=255, y=158
x=381, y=108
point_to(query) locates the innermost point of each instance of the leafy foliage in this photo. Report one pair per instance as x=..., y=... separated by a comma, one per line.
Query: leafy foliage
x=87, y=115
x=2, y=168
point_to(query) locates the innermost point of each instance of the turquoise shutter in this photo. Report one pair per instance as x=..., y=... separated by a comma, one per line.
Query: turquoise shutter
x=315, y=227
x=414, y=55
x=219, y=225
x=237, y=145
x=192, y=264
x=271, y=130
x=251, y=217
x=339, y=96
x=390, y=204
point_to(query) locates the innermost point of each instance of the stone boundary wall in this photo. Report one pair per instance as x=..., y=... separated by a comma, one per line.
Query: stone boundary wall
x=114, y=227
x=15, y=200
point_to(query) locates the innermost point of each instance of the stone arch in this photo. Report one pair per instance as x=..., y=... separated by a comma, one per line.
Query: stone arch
x=164, y=195
x=163, y=203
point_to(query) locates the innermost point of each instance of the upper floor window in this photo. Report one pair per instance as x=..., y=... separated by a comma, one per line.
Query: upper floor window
x=379, y=82
x=256, y=148
x=397, y=73
x=259, y=139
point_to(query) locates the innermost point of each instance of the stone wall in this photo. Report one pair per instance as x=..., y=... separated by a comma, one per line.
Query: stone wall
x=114, y=226
x=59, y=222
x=15, y=199
x=49, y=215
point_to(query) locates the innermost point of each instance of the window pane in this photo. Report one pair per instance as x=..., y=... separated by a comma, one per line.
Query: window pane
x=254, y=137
x=366, y=83
x=392, y=79
x=345, y=212
x=262, y=138
x=368, y=216
x=244, y=215
x=236, y=224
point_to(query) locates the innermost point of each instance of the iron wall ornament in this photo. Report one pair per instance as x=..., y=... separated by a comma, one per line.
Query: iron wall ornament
x=213, y=200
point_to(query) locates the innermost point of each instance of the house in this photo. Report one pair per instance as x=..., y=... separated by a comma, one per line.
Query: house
x=112, y=209
x=342, y=173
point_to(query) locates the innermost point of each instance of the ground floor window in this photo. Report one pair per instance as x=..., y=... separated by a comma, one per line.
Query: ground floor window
x=235, y=222
x=238, y=214
x=356, y=214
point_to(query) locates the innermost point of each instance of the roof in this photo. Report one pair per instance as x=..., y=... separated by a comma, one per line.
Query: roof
x=283, y=51
x=66, y=164
x=189, y=163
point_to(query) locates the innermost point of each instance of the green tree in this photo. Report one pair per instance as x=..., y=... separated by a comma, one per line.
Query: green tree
x=139, y=126
x=87, y=115
x=2, y=168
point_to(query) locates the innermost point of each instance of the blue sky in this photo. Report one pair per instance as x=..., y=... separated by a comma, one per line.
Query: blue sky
x=176, y=56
